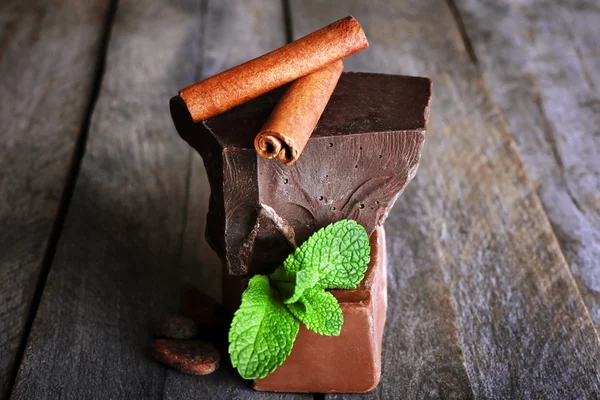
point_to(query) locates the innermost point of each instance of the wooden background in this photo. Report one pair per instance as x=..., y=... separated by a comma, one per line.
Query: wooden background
x=494, y=248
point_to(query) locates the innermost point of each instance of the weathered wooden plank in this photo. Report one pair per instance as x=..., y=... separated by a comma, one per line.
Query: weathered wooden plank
x=474, y=221
x=234, y=32
x=118, y=264
x=49, y=54
x=544, y=74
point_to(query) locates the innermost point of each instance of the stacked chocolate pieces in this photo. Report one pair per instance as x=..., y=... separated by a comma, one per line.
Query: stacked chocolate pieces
x=364, y=151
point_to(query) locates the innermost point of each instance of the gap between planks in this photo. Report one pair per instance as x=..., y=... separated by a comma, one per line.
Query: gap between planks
x=69, y=186
x=545, y=127
x=460, y=25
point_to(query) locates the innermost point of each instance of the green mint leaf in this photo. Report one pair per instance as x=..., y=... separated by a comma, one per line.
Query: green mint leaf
x=281, y=275
x=284, y=281
x=262, y=332
x=305, y=279
x=292, y=285
x=319, y=311
x=339, y=252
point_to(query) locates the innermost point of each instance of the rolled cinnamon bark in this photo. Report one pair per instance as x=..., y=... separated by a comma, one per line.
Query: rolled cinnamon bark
x=295, y=116
x=237, y=85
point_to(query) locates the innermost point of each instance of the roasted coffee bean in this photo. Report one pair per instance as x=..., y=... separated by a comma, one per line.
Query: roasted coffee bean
x=195, y=357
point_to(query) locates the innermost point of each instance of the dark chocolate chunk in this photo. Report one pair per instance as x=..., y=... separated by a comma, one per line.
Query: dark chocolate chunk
x=177, y=327
x=364, y=151
x=195, y=357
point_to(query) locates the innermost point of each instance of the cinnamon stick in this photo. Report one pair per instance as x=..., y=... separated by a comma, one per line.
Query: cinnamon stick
x=295, y=116
x=237, y=85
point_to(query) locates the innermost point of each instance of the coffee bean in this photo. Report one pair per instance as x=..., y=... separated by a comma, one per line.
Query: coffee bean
x=195, y=357
x=177, y=327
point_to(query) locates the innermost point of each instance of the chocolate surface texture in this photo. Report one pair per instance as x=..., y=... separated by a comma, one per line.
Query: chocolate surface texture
x=364, y=151
x=351, y=362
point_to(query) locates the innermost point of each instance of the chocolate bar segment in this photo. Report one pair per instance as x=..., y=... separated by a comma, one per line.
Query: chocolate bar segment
x=351, y=362
x=347, y=363
x=364, y=151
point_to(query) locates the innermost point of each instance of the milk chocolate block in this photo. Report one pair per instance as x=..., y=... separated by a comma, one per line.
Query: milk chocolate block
x=349, y=363
x=364, y=151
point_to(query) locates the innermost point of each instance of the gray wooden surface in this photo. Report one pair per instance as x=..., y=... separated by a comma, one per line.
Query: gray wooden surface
x=48, y=63
x=493, y=248
x=544, y=74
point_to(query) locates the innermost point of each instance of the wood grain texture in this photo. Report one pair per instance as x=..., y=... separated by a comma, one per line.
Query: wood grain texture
x=233, y=32
x=119, y=263
x=541, y=62
x=48, y=58
x=116, y=265
x=474, y=228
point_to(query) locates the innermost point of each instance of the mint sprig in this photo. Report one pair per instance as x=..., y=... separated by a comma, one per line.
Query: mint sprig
x=293, y=284
x=265, y=326
x=340, y=253
x=319, y=311
x=262, y=332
